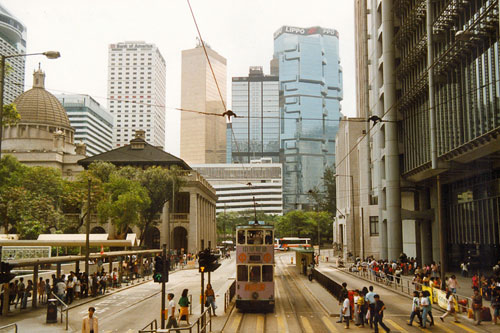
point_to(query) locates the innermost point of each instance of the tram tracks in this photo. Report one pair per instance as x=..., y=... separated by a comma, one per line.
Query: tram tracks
x=296, y=309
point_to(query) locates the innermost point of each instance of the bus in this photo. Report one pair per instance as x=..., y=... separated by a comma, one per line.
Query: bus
x=255, y=268
x=283, y=244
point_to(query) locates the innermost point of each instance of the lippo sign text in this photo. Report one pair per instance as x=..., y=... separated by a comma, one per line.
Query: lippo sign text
x=305, y=31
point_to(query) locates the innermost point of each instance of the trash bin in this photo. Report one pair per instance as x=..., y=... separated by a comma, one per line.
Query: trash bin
x=52, y=311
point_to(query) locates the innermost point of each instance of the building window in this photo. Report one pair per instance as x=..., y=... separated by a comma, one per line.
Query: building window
x=373, y=225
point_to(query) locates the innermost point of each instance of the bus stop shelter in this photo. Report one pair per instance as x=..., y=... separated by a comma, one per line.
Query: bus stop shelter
x=303, y=258
x=36, y=263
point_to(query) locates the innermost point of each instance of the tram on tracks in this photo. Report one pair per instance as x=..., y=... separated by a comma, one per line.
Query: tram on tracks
x=255, y=268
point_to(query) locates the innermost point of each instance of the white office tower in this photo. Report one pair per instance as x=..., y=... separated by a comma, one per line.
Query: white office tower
x=12, y=41
x=136, y=92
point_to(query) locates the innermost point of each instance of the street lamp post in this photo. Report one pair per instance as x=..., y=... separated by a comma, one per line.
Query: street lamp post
x=48, y=54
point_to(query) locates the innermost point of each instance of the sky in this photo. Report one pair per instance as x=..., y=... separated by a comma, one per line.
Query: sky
x=240, y=30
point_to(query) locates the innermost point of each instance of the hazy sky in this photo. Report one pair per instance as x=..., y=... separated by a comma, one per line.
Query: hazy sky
x=240, y=30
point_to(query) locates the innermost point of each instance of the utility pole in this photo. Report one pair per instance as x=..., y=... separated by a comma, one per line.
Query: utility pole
x=164, y=274
x=202, y=292
x=87, y=229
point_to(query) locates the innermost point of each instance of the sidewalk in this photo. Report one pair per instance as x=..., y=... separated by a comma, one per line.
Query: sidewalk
x=35, y=319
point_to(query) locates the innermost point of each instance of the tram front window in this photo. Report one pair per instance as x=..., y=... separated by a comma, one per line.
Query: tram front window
x=255, y=237
x=269, y=237
x=241, y=237
x=267, y=273
x=243, y=273
x=255, y=274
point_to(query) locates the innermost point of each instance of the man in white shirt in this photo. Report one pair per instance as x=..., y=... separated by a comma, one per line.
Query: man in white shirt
x=171, y=321
x=346, y=311
x=60, y=289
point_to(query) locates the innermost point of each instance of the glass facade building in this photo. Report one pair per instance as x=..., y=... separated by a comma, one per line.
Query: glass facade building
x=310, y=78
x=257, y=125
x=92, y=123
x=12, y=41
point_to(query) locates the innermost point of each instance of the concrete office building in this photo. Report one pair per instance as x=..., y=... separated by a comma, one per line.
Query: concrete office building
x=92, y=123
x=203, y=137
x=238, y=184
x=310, y=77
x=255, y=100
x=136, y=92
x=434, y=81
x=355, y=228
x=12, y=41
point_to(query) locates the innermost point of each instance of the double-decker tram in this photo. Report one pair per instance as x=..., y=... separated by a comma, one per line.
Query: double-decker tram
x=255, y=268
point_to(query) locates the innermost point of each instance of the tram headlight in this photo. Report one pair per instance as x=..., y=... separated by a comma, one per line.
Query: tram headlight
x=255, y=295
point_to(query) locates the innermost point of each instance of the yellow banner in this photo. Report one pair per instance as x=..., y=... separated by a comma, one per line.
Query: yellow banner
x=441, y=298
x=442, y=301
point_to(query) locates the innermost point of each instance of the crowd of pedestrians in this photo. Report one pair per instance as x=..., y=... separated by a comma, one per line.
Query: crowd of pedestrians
x=390, y=272
x=75, y=285
x=363, y=307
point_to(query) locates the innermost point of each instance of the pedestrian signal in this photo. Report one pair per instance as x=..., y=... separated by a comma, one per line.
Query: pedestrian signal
x=161, y=273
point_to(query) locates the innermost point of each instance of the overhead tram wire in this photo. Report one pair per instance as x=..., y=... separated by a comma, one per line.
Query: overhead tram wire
x=218, y=88
x=198, y=111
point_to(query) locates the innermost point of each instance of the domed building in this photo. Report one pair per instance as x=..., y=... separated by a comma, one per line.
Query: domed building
x=43, y=136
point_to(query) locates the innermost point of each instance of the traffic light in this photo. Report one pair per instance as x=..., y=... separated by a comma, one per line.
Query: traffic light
x=207, y=261
x=158, y=273
x=5, y=274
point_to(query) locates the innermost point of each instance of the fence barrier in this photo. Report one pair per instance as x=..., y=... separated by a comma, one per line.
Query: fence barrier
x=229, y=294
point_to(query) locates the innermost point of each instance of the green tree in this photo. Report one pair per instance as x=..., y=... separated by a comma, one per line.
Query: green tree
x=294, y=223
x=10, y=115
x=326, y=199
x=160, y=185
x=125, y=200
x=324, y=220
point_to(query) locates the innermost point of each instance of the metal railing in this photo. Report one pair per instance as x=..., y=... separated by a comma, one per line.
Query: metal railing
x=10, y=326
x=151, y=327
x=229, y=294
x=201, y=325
x=402, y=284
x=64, y=307
x=329, y=284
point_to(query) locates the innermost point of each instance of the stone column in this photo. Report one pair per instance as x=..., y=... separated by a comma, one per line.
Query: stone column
x=193, y=223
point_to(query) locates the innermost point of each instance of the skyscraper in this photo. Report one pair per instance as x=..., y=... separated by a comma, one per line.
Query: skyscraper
x=310, y=77
x=12, y=41
x=136, y=92
x=92, y=123
x=203, y=137
x=433, y=75
x=257, y=125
